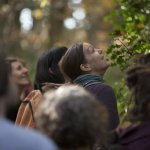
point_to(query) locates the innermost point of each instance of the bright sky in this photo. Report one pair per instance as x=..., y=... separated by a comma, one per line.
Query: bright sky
x=26, y=20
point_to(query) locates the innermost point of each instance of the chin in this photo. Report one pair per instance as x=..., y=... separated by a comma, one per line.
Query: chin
x=106, y=67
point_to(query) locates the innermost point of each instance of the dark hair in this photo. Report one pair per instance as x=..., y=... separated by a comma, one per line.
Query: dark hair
x=47, y=69
x=143, y=59
x=4, y=75
x=138, y=79
x=71, y=61
x=72, y=117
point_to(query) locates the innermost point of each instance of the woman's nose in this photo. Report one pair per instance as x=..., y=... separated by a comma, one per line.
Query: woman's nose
x=25, y=70
x=99, y=51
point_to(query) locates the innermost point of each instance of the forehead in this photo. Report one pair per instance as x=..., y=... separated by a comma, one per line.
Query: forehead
x=16, y=64
x=87, y=47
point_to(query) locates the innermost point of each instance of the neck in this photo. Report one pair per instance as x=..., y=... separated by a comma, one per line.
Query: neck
x=20, y=90
x=98, y=73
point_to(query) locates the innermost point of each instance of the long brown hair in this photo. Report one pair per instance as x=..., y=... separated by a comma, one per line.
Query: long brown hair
x=138, y=81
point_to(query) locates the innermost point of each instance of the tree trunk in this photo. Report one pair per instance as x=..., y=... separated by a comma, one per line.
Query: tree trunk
x=56, y=18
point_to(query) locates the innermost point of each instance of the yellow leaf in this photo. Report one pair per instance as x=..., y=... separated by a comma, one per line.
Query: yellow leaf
x=38, y=14
x=43, y=3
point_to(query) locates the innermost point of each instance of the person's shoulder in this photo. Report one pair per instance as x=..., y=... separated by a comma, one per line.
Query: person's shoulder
x=24, y=138
x=102, y=90
x=101, y=86
x=39, y=141
x=33, y=93
x=50, y=86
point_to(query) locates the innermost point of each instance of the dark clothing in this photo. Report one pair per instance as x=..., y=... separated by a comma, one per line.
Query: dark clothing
x=136, y=137
x=12, y=111
x=103, y=93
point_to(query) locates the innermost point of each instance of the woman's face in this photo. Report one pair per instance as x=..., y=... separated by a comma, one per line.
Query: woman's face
x=19, y=73
x=95, y=59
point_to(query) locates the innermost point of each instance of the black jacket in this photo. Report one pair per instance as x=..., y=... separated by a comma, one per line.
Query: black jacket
x=105, y=94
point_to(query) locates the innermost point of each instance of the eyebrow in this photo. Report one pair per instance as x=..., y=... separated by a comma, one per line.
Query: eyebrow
x=90, y=46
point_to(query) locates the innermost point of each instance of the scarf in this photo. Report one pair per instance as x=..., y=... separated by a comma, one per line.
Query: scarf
x=88, y=79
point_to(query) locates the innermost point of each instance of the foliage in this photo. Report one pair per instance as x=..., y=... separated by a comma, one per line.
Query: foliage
x=131, y=20
x=123, y=97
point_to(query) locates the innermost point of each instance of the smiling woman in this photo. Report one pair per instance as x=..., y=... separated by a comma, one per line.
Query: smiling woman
x=19, y=75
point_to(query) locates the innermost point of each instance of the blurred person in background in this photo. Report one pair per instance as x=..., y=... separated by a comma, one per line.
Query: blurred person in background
x=136, y=134
x=19, y=74
x=47, y=77
x=47, y=69
x=11, y=136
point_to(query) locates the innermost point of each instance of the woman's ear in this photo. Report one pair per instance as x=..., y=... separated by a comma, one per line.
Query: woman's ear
x=85, y=67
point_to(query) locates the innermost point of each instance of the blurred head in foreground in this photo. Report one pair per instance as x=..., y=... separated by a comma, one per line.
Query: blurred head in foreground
x=72, y=117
